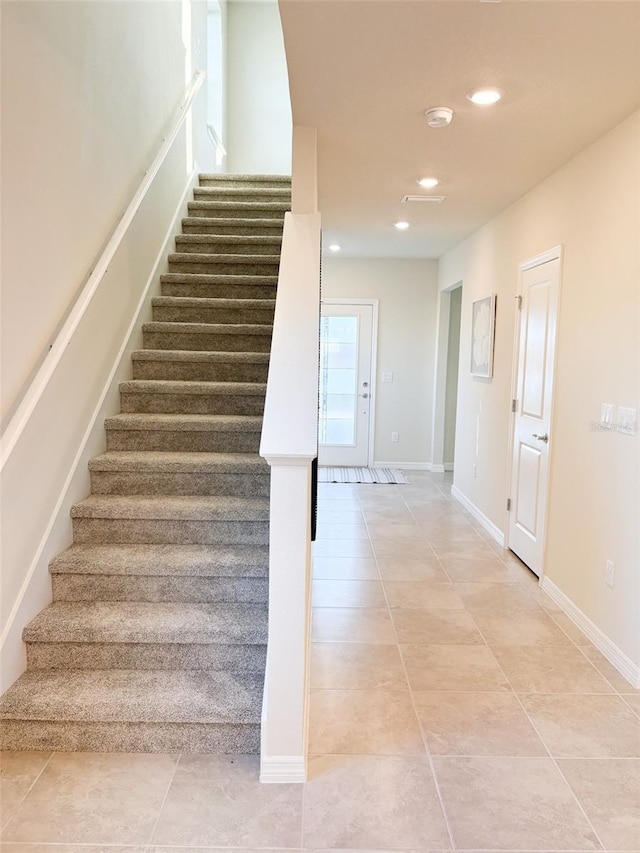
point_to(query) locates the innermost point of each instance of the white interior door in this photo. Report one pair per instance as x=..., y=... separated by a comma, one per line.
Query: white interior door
x=346, y=336
x=534, y=395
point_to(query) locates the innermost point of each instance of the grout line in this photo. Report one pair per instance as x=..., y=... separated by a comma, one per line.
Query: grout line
x=30, y=788
x=164, y=799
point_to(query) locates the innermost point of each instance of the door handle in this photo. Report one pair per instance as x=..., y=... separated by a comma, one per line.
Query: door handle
x=365, y=395
x=544, y=437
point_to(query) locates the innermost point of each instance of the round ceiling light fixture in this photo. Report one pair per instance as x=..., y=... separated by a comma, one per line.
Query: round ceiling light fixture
x=439, y=116
x=401, y=226
x=428, y=183
x=334, y=247
x=486, y=96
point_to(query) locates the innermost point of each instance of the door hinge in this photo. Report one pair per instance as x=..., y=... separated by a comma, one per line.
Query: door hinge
x=519, y=298
x=514, y=405
x=508, y=504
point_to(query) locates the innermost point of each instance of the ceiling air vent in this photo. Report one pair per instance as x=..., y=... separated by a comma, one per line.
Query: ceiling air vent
x=434, y=199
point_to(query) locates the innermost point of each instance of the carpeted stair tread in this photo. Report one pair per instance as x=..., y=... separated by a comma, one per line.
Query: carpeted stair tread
x=148, y=622
x=150, y=460
x=212, y=302
x=238, y=225
x=173, y=507
x=164, y=560
x=184, y=423
x=254, y=193
x=135, y=696
x=169, y=386
x=242, y=178
x=240, y=240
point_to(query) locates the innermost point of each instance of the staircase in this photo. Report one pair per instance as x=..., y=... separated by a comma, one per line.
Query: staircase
x=156, y=637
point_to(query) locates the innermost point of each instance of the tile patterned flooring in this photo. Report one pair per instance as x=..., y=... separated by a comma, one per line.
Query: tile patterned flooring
x=453, y=707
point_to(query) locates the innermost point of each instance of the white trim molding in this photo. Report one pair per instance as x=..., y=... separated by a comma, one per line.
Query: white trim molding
x=616, y=657
x=488, y=525
x=283, y=769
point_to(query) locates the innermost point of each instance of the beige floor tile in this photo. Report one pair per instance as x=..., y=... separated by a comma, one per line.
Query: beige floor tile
x=571, y=629
x=456, y=548
x=585, y=726
x=511, y=804
x=608, y=671
x=18, y=772
x=496, y=597
x=391, y=514
x=422, y=595
x=328, y=514
x=396, y=532
x=545, y=601
x=26, y=847
x=476, y=724
x=408, y=550
x=368, y=801
x=445, y=536
x=337, y=491
x=330, y=531
x=356, y=666
x=218, y=800
x=94, y=798
x=425, y=568
x=358, y=722
x=342, y=548
x=470, y=569
x=347, y=593
x=609, y=792
x=452, y=668
x=435, y=626
x=345, y=568
x=549, y=669
x=347, y=504
x=529, y=628
x=351, y=625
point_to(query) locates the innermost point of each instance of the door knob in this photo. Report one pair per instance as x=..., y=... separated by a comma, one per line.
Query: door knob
x=544, y=437
x=365, y=395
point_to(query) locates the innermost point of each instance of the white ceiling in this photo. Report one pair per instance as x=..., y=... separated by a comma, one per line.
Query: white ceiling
x=363, y=72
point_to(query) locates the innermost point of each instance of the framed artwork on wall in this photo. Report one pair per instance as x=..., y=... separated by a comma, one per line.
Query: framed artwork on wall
x=483, y=324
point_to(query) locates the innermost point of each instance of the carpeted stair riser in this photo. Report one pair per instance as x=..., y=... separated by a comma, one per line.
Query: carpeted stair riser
x=245, y=590
x=218, y=286
x=248, y=659
x=174, y=483
x=192, y=262
x=237, y=226
x=130, y=737
x=195, y=367
x=274, y=210
x=222, y=180
x=193, y=404
x=156, y=639
x=204, y=337
x=228, y=244
x=180, y=309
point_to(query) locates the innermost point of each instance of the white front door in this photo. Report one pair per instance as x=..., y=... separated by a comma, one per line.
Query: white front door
x=346, y=336
x=534, y=394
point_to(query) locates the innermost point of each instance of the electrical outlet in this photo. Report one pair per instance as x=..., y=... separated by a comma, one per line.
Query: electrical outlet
x=627, y=420
x=609, y=573
x=395, y=437
x=606, y=415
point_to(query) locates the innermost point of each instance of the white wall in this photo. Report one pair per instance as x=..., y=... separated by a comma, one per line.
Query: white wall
x=88, y=89
x=408, y=291
x=258, y=114
x=592, y=207
x=451, y=383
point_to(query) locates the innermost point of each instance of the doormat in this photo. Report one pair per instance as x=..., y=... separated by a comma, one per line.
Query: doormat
x=361, y=475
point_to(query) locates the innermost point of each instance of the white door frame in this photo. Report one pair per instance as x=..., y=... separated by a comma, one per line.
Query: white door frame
x=440, y=377
x=374, y=303
x=556, y=253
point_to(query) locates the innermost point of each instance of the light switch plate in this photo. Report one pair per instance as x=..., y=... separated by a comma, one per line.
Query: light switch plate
x=387, y=376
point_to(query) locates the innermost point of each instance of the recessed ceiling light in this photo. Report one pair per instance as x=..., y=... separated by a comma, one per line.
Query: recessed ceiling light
x=439, y=116
x=334, y=247
x=486, y=96
x=401, y=226
x=428, y=183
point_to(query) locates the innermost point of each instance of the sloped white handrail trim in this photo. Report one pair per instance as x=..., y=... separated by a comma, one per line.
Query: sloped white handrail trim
x=20, y=419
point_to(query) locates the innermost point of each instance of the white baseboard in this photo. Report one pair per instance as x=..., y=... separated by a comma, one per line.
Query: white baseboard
x=404, y=466
x=448, y=466
x=488, y=525
x=616, y=657
x=279, y=769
